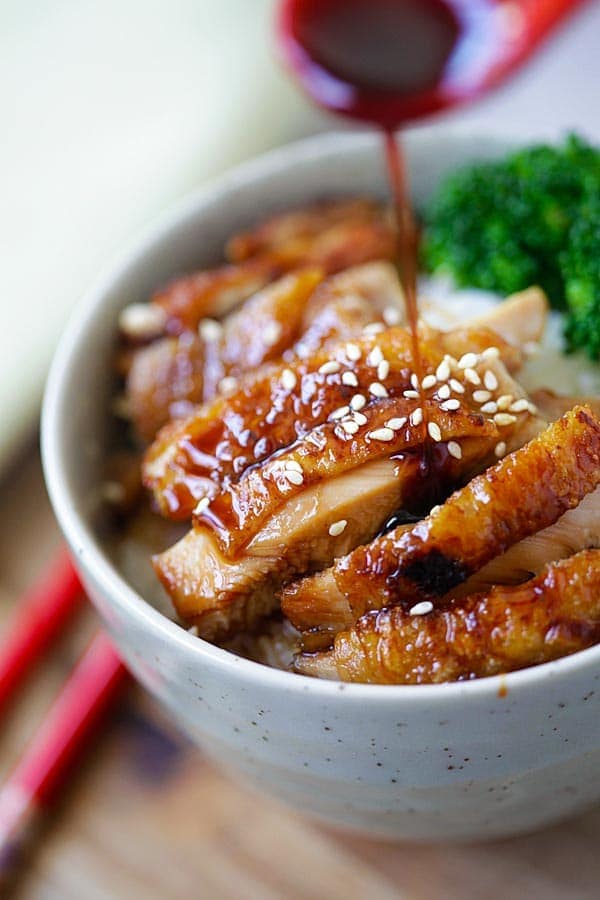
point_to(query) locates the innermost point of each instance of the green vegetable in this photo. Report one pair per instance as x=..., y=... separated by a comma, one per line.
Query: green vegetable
x=580, y=265
x=507, y=224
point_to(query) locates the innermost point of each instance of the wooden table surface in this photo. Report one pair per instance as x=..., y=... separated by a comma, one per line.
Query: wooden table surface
x=148, y=817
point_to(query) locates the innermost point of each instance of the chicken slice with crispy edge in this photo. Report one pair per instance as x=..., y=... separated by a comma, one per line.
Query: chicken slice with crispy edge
x=340, y=234
x=223, y=597
x=301, y=224
x=259, y=331
x=242, y=508
x=577, y=529
x=549, y=617
x=165, y=381
x=194, y=458
x=383, y=427
x=168, y=378
x=306, y=523
x=526, y=491
x=345, y=304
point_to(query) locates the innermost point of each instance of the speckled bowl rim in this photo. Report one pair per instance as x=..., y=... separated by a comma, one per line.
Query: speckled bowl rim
x=85, y=544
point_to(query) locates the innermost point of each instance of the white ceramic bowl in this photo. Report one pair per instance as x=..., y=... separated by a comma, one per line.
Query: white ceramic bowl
x=450, y=762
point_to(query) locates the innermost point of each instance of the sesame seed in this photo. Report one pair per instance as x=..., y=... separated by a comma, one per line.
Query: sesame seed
x=391, y=315
x=210, y=329
x=504, y=419
x=450, y=405
x=350, y=379
x=490, y=408
x=504, y=401
x=454, y=449
x=428, y=382
x=359, y=418
x=201, y=505
x=294, y=477
x=467, y=361
x=228, y=385
x=112, y=492
x=292, y=464
x=500, y=449
x=532, y=408
x=142, y=321
x=381, y=434
x=414, y=381
x=490, y=353
x=434, y=431
x=339, y=413
x=353, y=352
x=411, y=395
x=358, y=402
x=383, y=370
x=422, y=608
x=472, y=376
x=121, y=407
x=288, y=379
x=374, y=328
x=416, y=416
x=350, y=427
x=442, y=373
x=375, y=357
x=377, y=389
x=481, y=396
x=456, y=386
x=443, y=391
x=272, y=333
x=329, y=368
x=434, y=510
x=519, y=406
x=490, y=380
x=397, y=423
x=194, y=631
x=336, y=528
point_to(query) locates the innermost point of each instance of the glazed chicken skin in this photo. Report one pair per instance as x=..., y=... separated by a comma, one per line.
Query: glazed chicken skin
x=275, y=405
x=271, y=472
x=476, y=524
x=176, y=352
x=280, y=404
x=222, y=592
x=577, y=529
x=332, y=236
x=209, y=328
x=550, y=616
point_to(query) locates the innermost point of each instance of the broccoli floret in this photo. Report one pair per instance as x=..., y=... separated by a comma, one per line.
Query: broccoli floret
x=580, y=264
x=502, y=225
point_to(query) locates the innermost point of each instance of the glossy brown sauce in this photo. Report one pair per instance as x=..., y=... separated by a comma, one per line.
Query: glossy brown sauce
x=385, y=62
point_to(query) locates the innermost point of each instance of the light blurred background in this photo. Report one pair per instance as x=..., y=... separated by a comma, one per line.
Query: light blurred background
x=112, y=110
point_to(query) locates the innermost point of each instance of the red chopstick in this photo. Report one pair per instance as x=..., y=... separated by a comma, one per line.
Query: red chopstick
x=40, y=616
x=52, y=755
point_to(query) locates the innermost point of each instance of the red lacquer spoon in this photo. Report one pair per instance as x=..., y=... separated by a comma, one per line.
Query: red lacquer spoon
x=392, y=61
